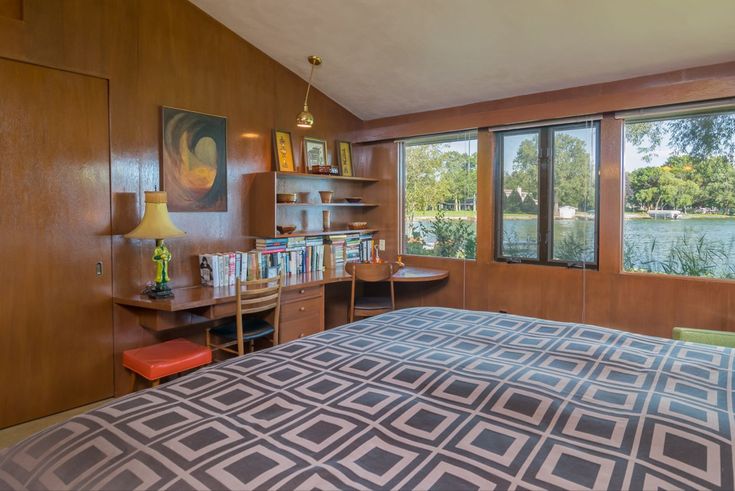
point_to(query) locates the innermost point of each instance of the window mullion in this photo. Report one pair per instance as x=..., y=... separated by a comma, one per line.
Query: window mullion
x=544, y=194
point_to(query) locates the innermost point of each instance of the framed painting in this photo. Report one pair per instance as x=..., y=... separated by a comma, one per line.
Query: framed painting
x=344, y=158
x=194, y=160
x=315, y=153
x=283, y=151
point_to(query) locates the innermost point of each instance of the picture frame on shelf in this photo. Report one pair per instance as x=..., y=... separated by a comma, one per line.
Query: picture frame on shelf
x=344, y=158
x=283, y=151
x=315, y=156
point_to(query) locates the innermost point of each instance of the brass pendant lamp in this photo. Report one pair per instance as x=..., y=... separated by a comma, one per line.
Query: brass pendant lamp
x=305, y=119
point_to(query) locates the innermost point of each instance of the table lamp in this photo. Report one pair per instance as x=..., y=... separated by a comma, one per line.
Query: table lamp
x=157, y=225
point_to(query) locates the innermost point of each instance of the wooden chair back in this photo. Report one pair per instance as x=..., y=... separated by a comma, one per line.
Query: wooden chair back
x=253, y=297
x=370, y=273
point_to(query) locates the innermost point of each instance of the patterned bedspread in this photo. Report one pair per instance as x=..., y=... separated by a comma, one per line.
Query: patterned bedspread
x=426, y=398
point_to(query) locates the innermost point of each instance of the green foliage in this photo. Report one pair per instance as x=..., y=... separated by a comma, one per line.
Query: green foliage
x=699, y=136
x=524, y=168
x=574, y=180
x=683, y=182
x=701, y=172
x=452, y=236
x=688, y=255
x=575, y=247
x=435, y=176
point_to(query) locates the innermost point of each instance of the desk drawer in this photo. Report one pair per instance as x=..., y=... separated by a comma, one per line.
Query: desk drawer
x=305, y=308
x=299, y=328
x=296, y=294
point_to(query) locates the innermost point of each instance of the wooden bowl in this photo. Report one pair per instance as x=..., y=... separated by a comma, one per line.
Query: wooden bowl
x=286, y=197
x=353, y=199
x=285, y=229
x=357, y=225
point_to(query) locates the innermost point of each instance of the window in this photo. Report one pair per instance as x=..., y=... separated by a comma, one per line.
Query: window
x=547, y=194
x=439, y=195
x=679, y=215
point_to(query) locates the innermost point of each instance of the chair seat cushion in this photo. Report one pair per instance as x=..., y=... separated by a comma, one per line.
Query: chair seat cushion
x=164, y=359
x=252, y=328
x=373, y=303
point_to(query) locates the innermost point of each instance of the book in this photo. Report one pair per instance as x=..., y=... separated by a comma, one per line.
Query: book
x=206, y=272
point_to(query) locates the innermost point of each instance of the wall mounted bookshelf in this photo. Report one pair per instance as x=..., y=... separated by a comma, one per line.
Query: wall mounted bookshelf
x=327, y=205
x=306, y=214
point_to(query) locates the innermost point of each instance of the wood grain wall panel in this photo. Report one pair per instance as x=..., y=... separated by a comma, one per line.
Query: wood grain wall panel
x=12, y=9
x=379, y=160
x=168, y=52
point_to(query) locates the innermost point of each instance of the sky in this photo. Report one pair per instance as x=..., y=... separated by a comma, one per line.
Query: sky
x=633, y=160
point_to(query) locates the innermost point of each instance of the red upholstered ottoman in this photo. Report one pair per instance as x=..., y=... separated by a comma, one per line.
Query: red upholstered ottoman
x=161, y=360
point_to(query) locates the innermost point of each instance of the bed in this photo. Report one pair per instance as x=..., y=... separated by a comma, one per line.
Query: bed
x=421, y=398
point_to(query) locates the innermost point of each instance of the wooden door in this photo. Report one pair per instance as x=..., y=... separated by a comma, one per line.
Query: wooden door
x=55, y=308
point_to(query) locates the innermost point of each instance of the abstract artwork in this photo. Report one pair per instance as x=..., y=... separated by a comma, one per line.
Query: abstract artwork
x=194, y=160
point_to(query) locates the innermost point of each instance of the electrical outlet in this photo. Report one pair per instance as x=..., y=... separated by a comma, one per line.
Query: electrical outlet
x=381, y=244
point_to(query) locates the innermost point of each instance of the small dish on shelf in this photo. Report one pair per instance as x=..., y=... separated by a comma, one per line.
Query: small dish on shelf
x=286, y=197
x=357, y=225
x=354, y=199
x=285, y=229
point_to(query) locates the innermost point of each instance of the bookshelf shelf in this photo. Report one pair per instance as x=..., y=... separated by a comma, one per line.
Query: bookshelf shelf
x=301, y=175
x=297, y=205
x=321, y=233
x=309, y=213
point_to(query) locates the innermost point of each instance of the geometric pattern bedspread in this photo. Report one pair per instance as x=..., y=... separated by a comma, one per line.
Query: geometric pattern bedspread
x=422, y=398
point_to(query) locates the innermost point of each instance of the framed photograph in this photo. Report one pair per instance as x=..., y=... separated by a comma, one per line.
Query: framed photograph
x=194, y=160
x=315, y=153
x=344, y=158
x=283, y=151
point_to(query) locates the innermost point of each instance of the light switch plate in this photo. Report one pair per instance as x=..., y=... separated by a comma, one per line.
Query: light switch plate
x=381, y=244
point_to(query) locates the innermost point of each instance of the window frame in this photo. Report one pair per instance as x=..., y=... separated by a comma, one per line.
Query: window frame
x=434, y=138
x=544, y=238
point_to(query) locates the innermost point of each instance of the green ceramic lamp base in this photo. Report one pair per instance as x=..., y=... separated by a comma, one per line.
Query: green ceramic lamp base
x=161, y=256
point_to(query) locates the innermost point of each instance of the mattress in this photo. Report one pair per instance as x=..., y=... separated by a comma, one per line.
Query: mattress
x=421, y=398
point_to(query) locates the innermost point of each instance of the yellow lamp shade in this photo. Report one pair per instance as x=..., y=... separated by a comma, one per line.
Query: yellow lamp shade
x=156, y=223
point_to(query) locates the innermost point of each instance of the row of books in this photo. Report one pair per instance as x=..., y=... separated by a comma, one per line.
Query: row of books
x=222, y=269
x=287, y=255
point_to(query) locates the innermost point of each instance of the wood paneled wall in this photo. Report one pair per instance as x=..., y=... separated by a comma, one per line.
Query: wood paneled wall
x=168, y=52
x=645, y=303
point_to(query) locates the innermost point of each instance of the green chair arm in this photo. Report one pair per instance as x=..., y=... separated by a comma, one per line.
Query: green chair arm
x=705, y=336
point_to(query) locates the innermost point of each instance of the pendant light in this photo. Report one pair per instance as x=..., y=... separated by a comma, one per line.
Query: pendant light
x=305, y=119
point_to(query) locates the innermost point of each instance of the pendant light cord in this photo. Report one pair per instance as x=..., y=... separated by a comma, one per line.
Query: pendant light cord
x=308, y=87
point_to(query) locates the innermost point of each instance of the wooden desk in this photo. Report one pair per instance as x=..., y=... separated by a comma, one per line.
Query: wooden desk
x=195, y=304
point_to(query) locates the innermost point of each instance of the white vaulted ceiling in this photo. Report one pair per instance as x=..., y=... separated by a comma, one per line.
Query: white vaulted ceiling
x=390, y=57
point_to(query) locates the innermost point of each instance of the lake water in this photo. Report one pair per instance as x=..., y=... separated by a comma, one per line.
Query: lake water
x=698, y=246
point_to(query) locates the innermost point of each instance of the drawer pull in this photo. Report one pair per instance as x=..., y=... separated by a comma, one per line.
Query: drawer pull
x=302, y=291
x=301, y=335
x=301, y=309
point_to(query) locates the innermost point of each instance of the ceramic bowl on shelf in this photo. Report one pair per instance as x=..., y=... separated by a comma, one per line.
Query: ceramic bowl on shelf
x=326, y=196
x=286, y=197
x=353, y=199
x=285, y=229
x=357, y=225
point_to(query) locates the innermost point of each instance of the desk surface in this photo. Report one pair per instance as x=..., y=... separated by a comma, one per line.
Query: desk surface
x=203, y=296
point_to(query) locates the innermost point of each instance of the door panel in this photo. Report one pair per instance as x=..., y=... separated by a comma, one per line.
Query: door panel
x=55, y=310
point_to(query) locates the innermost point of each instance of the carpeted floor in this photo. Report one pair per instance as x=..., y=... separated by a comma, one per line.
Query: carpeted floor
x=14, y=434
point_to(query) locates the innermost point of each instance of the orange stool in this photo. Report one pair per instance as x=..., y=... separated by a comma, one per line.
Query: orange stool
x=161, y=360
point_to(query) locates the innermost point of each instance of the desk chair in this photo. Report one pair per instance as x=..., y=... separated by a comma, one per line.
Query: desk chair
x=252, y=297
x=371, y=273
